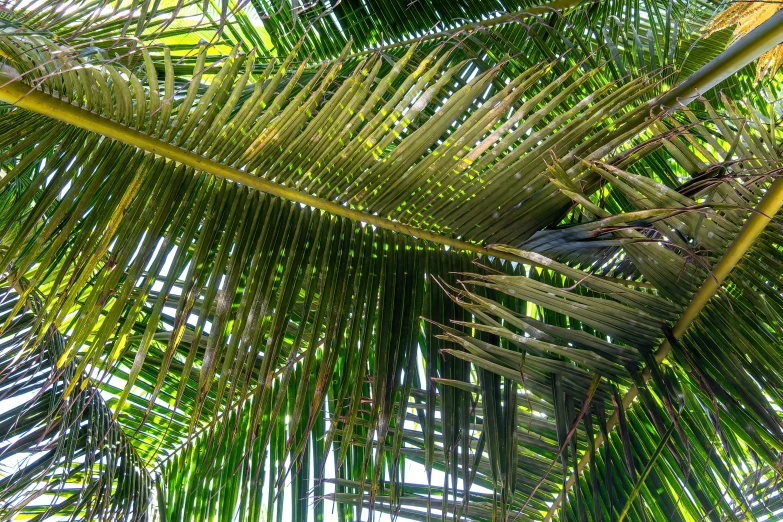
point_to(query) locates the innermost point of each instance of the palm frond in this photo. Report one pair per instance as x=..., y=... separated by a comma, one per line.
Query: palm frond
x=61, y=454
x=249, y=269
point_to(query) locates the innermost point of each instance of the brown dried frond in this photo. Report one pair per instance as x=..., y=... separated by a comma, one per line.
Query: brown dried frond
x=746, y=16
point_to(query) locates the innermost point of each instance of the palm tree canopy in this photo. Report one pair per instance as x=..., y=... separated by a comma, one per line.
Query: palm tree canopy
x=432, y=260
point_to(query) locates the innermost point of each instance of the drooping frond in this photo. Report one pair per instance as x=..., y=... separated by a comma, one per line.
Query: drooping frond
x=714, y=389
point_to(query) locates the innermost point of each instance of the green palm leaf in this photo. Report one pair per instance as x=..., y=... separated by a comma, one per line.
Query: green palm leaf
x=261, y=259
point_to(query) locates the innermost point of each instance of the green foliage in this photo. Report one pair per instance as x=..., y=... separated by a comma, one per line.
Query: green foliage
x=175, y=345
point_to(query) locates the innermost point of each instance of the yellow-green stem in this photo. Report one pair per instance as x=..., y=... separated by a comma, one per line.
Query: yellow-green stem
x=22, y=95
x=754, y=226
x=754, y=44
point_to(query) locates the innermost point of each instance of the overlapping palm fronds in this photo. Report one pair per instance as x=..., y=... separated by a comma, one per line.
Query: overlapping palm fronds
x=62, y=454
x=246, y=268
x=714, y=391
